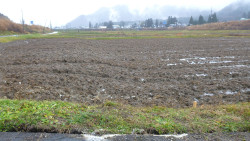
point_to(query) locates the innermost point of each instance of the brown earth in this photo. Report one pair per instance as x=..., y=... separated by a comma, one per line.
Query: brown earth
x=232, y=25
x=169, y=72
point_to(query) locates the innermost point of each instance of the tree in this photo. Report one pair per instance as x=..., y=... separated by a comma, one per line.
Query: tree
x=212, y=18
x=96, y=26
x=191, y=21
x=160, y=24
x=171, y=20
x=134, y=25
x=122, y=24
x=209, y=20
x=110, y=25
x=142, y=24
x=105, y=24
x=157, y=23
x=90, y=25
x=244, y=15
x=201, y=20
x=248, y=15
x=149, y=23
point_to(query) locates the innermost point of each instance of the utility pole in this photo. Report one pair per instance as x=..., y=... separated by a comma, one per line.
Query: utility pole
x=44, y=27
x=22, y=20
x=51, y=26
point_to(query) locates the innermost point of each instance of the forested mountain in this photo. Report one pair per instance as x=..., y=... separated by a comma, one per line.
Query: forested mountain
x=235, y=11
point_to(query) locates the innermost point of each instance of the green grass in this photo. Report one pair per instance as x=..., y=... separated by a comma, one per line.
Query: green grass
x=64, y=117
x=133, y=34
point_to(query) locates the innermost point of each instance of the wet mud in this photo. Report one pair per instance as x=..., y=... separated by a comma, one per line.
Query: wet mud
x=167, y=72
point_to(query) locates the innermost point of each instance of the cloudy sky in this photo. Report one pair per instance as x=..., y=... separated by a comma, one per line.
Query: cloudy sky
x=59, y=12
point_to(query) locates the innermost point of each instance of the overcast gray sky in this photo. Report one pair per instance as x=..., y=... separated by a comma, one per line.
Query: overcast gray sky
x=59, y=12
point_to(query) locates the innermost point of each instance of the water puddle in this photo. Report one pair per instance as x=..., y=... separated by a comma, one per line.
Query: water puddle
x=210, y=60
x=9, y=36
x=245, y=90
x=200, y=75
x=234, y=66
x=171, y=64
x=229, y=92
x=208, y=94
x=218, y=62
x=55, y=32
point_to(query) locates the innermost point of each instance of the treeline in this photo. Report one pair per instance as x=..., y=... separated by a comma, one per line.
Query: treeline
x=212, y=18
x=148, y=23
x=246, y=15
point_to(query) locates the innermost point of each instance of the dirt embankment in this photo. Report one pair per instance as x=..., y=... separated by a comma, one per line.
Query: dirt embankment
x=169, y=72
x=233, y=25
x=7, y=25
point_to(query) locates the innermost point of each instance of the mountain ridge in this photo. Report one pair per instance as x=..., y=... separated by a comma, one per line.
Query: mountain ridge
x=119, y=13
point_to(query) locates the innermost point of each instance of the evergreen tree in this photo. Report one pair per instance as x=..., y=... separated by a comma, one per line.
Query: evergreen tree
x=244, y=15
x=90, y=25
x=160, y=24
x=171, y=20
x=142, y=24
x=149, y=23
x=105, y=24
x=201, y=20
x=214, y=18
x=96, y=26
x=209, y=19
x=157, y=23
x=191, y=21
x=122, y=23
x=110, y=25
x=248, y=15
x=134, y=25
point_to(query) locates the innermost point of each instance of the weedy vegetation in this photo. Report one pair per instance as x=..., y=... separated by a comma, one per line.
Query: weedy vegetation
x=112, y=117
x=131, y=34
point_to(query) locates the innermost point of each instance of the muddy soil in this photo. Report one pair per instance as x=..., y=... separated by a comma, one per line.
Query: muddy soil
x=169, y=72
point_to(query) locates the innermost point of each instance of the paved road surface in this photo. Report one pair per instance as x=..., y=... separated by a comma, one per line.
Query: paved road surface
x=18, y=136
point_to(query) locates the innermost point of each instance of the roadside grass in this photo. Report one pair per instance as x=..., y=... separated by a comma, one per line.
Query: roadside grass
x=117, y=118
x=27, y=36
x=3, y=33
x=131, y=34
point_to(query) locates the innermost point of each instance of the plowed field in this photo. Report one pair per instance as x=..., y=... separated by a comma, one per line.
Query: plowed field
x=169, y=72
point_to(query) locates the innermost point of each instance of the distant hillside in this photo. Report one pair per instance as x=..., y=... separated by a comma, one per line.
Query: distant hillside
x=232, y=25
x=7, y=25
x=234, y=11
x=123, y=13
x=119, y=13
x=2, y=16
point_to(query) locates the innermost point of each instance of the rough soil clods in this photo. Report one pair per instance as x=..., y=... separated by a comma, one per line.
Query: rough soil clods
x=169, y=72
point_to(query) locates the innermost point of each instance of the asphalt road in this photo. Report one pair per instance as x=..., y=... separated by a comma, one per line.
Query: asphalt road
x=21, y=136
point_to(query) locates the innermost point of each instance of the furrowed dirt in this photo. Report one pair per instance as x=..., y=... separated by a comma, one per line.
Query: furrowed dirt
x=168, y=72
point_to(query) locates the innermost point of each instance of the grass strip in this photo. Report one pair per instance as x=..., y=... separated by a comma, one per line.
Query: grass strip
x=133, y=34
x=112, y=117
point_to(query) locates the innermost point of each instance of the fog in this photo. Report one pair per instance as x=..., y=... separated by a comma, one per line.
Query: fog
x=60, y=12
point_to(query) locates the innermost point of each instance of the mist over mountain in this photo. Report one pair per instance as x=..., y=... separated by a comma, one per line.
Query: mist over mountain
x=234, y=11
x=123, y=13
x=119, y=13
